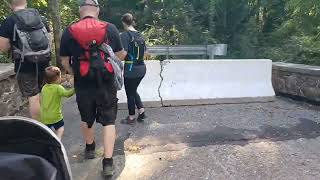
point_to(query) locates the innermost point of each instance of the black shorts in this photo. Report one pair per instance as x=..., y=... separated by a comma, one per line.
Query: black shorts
x=29, y=84
x=57, y=125
x=98, y=105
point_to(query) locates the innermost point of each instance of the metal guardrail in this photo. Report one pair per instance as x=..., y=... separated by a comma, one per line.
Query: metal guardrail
x=209, y=50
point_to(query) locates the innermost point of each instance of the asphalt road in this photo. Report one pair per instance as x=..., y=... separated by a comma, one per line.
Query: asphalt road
x=275, y=140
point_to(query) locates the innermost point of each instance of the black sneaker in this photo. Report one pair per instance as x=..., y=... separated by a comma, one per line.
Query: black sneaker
x=128, y=121
x=141, y=117
x=89, y=152
x=107, y=167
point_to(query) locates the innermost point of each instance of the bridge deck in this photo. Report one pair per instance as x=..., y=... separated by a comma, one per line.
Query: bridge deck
x=275, y=140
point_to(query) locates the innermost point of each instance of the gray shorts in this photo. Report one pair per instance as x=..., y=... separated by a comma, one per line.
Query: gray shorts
x=29, y=84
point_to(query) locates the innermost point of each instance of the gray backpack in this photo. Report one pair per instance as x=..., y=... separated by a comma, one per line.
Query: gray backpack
x=32, y=37
x=116, y=65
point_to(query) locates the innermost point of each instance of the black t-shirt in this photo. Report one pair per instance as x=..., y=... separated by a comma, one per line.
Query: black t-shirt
x=137, y=71
x=70, y=48
x=7, y=31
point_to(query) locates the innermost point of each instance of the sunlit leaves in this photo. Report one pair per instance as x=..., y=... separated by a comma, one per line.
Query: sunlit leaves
x=287, y=30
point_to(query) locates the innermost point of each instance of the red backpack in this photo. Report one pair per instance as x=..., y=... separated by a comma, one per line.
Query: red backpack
x=90, y=34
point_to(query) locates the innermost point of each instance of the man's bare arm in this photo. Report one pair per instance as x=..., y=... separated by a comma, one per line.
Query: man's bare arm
x=4, y=44
x=121, y=54
x=66, y=65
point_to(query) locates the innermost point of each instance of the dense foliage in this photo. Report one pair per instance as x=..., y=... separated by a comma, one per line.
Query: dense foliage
x=282, y=30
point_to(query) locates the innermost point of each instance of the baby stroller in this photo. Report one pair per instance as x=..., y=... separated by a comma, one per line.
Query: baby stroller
x=31, y=151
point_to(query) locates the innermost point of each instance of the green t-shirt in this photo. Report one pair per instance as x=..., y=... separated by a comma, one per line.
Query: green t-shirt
x=51, y=102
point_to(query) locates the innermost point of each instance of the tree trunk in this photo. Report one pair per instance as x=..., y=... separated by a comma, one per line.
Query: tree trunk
x=54, y=9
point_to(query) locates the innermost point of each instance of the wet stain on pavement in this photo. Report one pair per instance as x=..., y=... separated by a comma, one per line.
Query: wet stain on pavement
x=306, y=128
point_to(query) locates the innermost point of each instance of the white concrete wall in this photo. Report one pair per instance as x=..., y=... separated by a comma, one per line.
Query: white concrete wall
x=200, y=81
x=148, y=88
x=216, y=79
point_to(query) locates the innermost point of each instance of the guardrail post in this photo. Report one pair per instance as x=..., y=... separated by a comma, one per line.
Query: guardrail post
x=211, y=51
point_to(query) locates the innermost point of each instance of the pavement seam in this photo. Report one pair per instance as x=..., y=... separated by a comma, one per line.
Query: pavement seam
x=159, y=88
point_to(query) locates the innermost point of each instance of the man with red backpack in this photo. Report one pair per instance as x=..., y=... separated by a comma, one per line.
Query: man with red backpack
x=84, y=53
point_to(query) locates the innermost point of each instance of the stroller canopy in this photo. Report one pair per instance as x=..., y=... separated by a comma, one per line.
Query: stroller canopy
x=30, y=150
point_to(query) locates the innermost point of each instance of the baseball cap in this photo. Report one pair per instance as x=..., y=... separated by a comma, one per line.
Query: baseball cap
x=88, y=3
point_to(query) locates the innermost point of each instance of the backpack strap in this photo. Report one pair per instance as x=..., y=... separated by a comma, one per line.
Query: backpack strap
x=130, y=56
x=14, y=39
x=106, y=39
x=130, y=36
x=17, y=49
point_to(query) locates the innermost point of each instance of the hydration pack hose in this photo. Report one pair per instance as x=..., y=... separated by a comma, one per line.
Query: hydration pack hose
x=21, y=60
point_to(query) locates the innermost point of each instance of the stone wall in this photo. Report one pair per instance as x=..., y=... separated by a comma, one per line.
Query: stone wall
x=11, y=101
x=297, y=80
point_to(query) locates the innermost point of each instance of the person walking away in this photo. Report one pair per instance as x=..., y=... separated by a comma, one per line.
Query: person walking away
x=25, y=34
x=94, y=77
x=51, y=100
x=135, y=68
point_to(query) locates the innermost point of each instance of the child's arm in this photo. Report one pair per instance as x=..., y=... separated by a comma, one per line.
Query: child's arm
x=64, y=92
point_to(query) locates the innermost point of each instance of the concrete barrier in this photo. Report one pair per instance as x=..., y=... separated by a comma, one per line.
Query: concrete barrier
x=190, y=82
x=149, y=87
x=195, y=82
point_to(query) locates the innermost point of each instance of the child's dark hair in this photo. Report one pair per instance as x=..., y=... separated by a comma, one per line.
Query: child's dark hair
x=52, y=74
x=128, y=19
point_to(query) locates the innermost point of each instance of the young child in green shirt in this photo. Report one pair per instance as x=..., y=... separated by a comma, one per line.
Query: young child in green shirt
x=51, y=100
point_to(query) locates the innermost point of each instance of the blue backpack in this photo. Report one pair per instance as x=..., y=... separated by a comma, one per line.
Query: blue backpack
x=136, y=50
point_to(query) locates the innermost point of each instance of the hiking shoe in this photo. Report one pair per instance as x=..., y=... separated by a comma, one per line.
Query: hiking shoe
x=141, y=117
x=89, y=152
x=128, y=121
x=107, y=167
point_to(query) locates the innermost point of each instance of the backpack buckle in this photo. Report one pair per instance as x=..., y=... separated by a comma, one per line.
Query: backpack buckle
x=93, y=48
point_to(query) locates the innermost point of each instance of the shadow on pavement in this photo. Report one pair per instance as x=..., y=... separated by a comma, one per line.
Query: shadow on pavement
x=256, y=148
x=220, y=135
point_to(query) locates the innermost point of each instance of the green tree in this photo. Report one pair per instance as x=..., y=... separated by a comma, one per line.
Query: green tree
x=282, y=30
